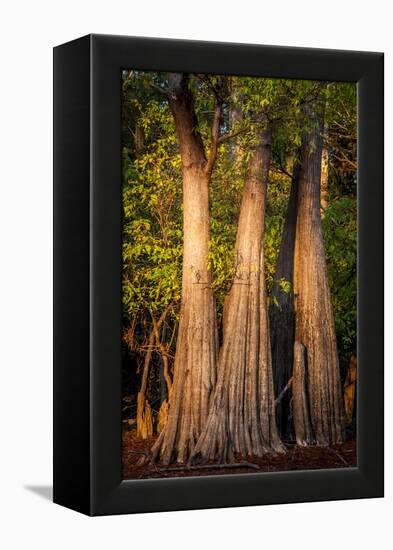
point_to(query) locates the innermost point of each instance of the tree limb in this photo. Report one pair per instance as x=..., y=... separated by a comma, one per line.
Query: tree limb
x=226, y=137
x=280, y=168
x=163, y=91
x=215, y=130
x=283, y=392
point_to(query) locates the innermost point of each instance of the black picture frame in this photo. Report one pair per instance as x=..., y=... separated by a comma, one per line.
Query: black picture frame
x=87, y=275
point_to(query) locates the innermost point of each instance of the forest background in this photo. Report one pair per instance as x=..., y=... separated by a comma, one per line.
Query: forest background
x=153, y=199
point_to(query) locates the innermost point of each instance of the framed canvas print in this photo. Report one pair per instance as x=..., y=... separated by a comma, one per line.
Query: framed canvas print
x=218, y=275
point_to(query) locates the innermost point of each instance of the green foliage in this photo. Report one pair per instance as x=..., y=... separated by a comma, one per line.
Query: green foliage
x=152, y=229
x=340, y=234
x=152, y=191
x=277, y=201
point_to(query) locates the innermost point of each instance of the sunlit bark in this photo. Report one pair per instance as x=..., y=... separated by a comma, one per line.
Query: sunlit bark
x=314, y=315
x=241, y=419
x=196, y=349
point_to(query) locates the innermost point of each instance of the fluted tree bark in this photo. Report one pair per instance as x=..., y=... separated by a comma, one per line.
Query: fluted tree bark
x=315, y=328
x=196, y=349
x=241, y=418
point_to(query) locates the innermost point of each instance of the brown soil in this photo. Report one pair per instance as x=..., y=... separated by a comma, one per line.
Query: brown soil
x=297, y=458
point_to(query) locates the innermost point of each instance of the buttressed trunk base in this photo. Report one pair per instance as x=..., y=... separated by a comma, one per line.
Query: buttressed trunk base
x=241, y=419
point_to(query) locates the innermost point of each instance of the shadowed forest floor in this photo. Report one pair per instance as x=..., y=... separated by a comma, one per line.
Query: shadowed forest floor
x=296, y=458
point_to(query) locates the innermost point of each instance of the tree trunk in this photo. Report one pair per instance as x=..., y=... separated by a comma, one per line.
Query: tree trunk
x=196, y=350
x=314, y=316
x=281, y=310
x=144, y=418
x=162, y=349
x=325, y=163
x=235, y=118
x=241, y=419
x=324, y=175
x=139, y=140
x=301, y=412
x=165, y=377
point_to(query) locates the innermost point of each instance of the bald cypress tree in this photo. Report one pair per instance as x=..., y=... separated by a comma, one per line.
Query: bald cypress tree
x=315, y=328
x=196, y=349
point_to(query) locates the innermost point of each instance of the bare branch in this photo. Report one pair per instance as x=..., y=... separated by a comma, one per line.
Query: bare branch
x=226, y=137
x=215, y=130
x=215, y=89
x=163, y=91
x=280, y=168
x=284, y=391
